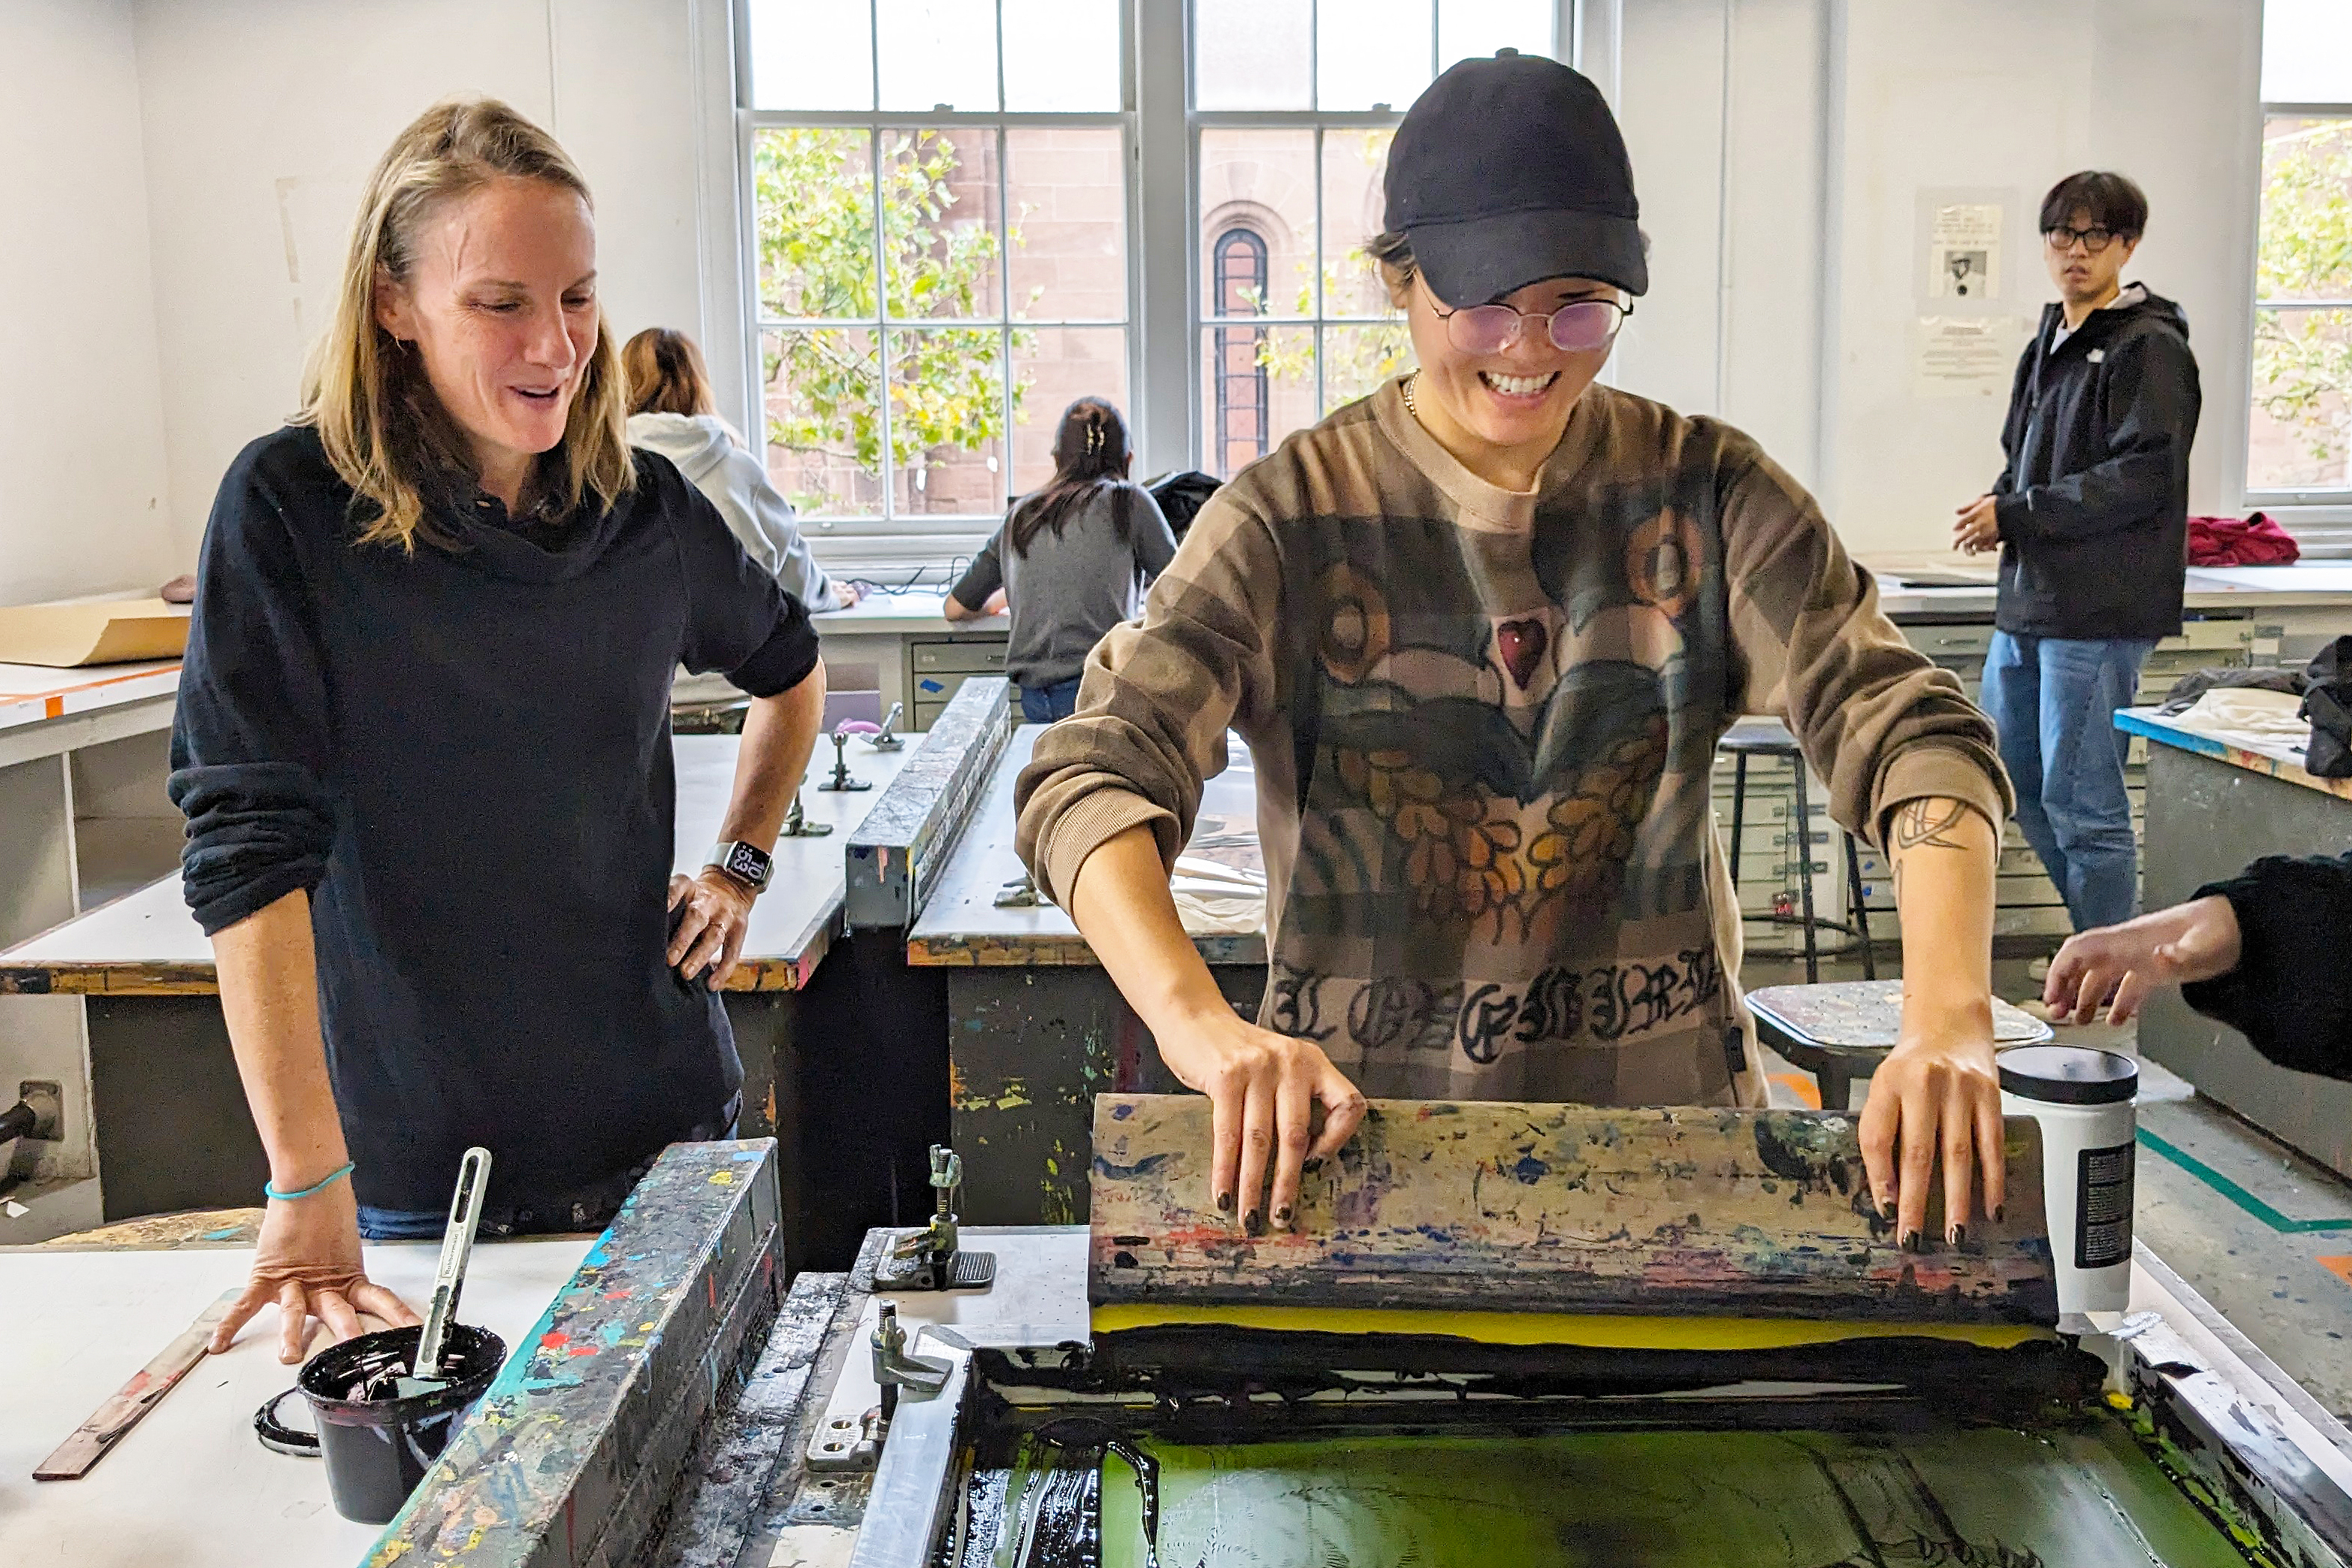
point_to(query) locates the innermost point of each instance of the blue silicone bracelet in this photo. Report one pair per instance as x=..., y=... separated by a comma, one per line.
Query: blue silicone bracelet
x=269, y=1190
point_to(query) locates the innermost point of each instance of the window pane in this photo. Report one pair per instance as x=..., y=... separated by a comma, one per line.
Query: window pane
x=1051, y=368
x=1261, y=183
x=1069, y=241
x=825, y=433
x=1258, y=386
x=811, y=54
x=815, y=211
x=1353, y=163
x=1357, y=359
x=1467, y=27
x=1061, y=56
x=2303, y=368
x=946, y=420
x=2305, y=249
x=1253, y=54
x=1370, y=52
x=937, y=53
x=939, y=219
x=2306, y=52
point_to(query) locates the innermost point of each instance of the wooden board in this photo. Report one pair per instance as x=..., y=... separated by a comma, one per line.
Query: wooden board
x=1505, y=1207
x=962, y=925
x=92, y=631
x=148, y=945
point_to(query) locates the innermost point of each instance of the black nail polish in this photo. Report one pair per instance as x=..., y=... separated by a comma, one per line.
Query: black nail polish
x=1225, y=1202
x=1311, y=1167
x=1913, y=1242
x=2000, y=1212
x=1282, y=1217
x=1886, y=1210
x=1959, y=1237
x=1254, y=1222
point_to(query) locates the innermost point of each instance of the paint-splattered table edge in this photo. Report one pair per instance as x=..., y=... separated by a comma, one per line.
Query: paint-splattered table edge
x=2146, y=723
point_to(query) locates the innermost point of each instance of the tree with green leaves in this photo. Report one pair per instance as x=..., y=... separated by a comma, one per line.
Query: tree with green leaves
x=2303, y=358
x=815, y=214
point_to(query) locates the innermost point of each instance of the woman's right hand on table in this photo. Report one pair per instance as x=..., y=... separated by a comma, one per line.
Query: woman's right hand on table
x=1263, y=1089
x=308, y=1263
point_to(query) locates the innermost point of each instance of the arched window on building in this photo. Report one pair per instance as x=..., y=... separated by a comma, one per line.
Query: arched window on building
x=1240, y=282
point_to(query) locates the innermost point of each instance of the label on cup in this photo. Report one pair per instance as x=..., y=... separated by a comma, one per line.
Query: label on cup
x=2103, y=1206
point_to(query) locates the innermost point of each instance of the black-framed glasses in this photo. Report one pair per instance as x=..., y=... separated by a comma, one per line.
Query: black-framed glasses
x=1490, y=329
x=2094, y=240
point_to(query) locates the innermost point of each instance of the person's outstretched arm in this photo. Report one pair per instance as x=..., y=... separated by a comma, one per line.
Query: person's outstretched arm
x=2256, y=953
x=1262, y=1088
x=308, y=1261
x=980, y=590
x=253, y=771
x=1911, y=767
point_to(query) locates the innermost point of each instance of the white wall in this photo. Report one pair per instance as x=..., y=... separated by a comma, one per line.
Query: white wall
x=1843, y=118
x=81, y=420
x=264, y=118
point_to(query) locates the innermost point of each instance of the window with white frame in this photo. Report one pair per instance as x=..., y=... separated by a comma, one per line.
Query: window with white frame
x=2299, y=439
x=939, y=211
x=1293, y=105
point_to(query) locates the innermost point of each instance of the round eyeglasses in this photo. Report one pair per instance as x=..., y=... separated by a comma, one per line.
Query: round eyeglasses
x=1490, y=329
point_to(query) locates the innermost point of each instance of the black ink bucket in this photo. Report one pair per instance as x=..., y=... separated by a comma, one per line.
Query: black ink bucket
x=377, y=1450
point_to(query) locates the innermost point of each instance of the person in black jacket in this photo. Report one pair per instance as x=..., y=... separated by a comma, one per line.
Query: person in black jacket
x=2091, y=517
x=423, y=742
x=2260, y=953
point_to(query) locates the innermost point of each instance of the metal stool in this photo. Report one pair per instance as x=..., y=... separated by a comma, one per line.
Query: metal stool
x=1841, y=1031
x=1770, y=738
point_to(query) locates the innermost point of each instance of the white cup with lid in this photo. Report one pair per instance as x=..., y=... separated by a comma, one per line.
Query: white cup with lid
x=2083, y=1100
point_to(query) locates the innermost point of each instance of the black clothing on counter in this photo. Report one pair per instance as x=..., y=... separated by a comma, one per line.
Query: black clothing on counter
x=2291, y=994
x=464, y=755
x=2094, y=503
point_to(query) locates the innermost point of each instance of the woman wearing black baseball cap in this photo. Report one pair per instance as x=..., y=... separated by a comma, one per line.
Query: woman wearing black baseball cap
x=1482, y=631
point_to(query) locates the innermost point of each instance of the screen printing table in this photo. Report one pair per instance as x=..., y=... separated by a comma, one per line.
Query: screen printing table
x=1035, y=1028
x=1627, y=1451
x=172, y=1127
x=2215, y=803
x=189, y=1485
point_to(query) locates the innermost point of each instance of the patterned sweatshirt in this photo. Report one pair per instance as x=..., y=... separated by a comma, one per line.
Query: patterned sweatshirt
x=1484, y=723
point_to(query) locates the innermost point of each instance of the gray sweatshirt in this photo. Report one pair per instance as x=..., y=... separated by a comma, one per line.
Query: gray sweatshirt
x=706, y=453
x=1066, y=589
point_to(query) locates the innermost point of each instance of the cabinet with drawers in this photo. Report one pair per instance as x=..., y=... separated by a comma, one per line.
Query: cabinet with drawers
x=938, y=670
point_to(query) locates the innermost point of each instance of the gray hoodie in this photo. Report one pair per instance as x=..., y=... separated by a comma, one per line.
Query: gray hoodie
x=706, y=453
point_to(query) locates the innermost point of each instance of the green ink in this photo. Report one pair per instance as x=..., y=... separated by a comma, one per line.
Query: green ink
x=2086, y=1498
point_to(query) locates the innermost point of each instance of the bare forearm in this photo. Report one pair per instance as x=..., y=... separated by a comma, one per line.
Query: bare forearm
x=779, y=733
x=1123, y=908
x=269, y=994
x=1943, y=854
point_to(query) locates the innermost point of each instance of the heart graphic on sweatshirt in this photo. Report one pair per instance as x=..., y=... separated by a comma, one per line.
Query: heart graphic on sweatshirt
x=1522, y=645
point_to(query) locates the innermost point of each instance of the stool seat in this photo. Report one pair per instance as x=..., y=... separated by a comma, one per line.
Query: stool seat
x=1758, y=737
x=1841, y=1031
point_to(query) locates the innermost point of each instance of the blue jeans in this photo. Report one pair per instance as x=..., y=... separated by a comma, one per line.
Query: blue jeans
x=1044, y=704
x=590, y=1209
x=2053, y=703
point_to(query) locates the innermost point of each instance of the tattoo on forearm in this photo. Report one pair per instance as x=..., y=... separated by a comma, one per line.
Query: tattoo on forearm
x=1925, y=823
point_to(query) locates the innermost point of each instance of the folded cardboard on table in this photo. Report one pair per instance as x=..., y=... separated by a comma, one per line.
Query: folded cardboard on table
x=92, y=631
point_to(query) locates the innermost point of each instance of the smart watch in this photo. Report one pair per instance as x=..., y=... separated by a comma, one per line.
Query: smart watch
x=747, y=863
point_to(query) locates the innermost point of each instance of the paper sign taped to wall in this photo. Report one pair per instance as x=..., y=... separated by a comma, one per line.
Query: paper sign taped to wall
x=1964, y=356
x=1964, y=252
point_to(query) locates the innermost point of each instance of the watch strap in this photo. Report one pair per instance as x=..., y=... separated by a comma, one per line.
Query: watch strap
x=747, y=863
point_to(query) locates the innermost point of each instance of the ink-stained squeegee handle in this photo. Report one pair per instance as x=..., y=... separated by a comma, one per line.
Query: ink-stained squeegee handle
x=456, y=1249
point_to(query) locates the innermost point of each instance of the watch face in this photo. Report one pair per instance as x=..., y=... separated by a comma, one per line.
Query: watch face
x=747, y=862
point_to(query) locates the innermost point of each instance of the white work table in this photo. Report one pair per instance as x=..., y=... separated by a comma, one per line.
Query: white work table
x=899, y=644
x=190, y=1486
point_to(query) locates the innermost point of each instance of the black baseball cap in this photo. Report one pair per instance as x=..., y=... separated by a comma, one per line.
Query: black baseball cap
x=1509, y=171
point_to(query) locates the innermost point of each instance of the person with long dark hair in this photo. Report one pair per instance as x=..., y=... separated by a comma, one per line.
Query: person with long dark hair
x=1071, y=559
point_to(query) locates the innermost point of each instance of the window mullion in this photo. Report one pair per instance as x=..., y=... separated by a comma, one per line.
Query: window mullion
x=886, y=464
